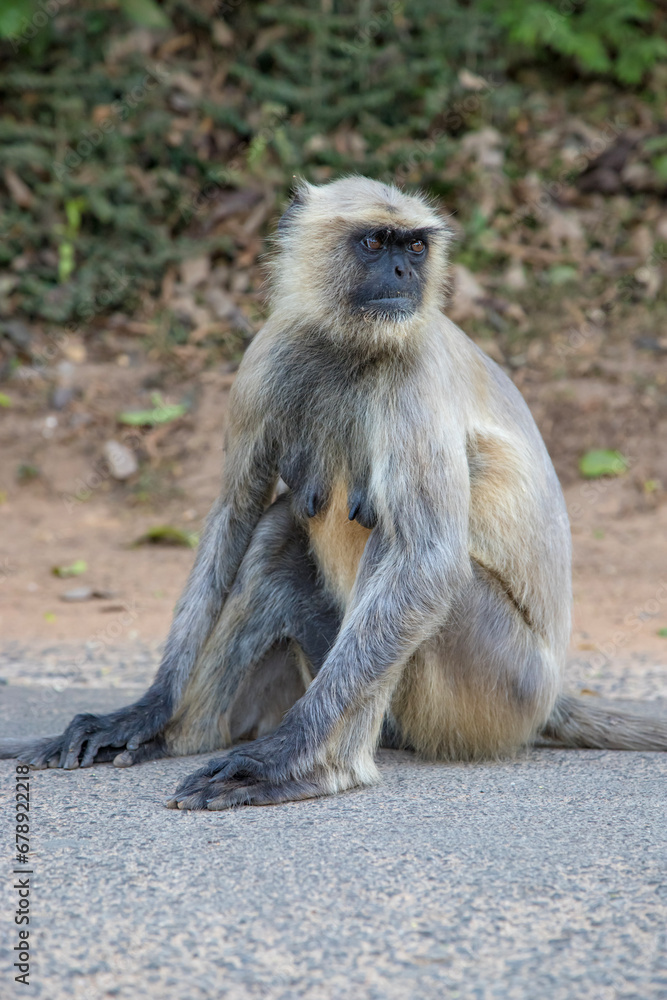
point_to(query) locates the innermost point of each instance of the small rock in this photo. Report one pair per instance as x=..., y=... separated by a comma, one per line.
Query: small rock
x=18, y=332
x=195, y=270
x=485, y=145
x=471, y=81
x=515, y=277
x=77, y=594
x=222, y=304
x=122, y=460
x=64, y=388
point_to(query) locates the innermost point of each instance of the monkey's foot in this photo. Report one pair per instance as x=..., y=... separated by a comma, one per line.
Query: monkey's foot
x=123, y=737
x=247, y=776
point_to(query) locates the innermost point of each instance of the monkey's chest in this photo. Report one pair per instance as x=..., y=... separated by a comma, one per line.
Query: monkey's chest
x=337, y=543
x=333, y=502
x=313, y=486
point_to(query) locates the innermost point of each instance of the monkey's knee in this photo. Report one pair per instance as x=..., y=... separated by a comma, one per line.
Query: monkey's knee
x=484, y=686
x=443, y=715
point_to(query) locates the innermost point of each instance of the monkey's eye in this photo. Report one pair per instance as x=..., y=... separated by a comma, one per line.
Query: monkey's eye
x=372, y=243
x=417, y=246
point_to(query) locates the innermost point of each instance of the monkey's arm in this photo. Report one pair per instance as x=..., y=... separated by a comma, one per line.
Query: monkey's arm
x=250, y=477
x=409, y=572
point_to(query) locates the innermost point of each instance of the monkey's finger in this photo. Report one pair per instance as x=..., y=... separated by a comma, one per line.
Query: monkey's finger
x=263, y=793
x=152, y=750
x=194, y=797
x=192, y=802
x=38, y=764
x=238, y=795
x=191, y=793
x=48, y=752
x=197, y=783
x=35, y=753
x=69, y=758
x=239, y=767
x=140, y=737
x=193, y=782
x=200, y=799
x=92, y=746
x=196, y=800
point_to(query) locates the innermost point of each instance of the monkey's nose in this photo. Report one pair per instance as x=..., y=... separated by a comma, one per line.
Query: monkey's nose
x=401, y=271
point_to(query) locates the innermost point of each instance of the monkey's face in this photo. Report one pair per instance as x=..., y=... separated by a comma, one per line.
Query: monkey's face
x=361, y=261
x=392, y=271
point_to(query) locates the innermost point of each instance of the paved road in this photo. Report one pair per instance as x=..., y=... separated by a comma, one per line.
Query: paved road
x=537, y=879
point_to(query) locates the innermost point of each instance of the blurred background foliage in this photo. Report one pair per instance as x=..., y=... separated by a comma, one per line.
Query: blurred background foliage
x=133, y=133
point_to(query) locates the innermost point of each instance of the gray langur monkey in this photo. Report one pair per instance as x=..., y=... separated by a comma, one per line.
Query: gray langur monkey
x=389, y=559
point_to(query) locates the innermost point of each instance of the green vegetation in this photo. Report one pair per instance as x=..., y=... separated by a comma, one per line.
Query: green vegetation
x=124, y=123
x=602, y=462
x=619, y=39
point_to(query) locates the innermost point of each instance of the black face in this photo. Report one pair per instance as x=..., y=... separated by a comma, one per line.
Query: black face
x=393, y=271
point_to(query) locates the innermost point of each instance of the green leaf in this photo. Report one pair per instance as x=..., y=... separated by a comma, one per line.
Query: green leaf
x=655, y=144
x=561, y=274
x=602, y=462
x=26, y=472
x=162, y=413
x=5, y=400
x=146, y=13
x=76, y=569
x=167, y=534
x=662, y=632
x=73, y=209
x=65, y=260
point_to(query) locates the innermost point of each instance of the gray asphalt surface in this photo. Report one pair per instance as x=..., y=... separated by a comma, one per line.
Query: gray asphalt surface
x=541, y=877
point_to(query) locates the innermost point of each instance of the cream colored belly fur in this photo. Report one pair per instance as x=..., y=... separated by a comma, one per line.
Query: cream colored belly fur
x=338, y=544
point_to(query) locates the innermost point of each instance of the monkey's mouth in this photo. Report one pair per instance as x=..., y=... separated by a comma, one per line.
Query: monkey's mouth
x=395, y=305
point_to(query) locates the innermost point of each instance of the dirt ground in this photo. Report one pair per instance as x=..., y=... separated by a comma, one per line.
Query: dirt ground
x=61, y=505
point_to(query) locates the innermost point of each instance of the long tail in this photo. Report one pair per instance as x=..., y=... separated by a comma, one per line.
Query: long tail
x=578, y=722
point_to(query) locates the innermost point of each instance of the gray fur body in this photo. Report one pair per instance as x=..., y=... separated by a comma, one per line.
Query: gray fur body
x=412, y=584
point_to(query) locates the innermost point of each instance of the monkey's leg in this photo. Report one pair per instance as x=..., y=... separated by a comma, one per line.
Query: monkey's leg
x=326, y=741
x=248, y=674
x=484, y=686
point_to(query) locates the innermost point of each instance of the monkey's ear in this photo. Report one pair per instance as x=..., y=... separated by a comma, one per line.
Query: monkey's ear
x=299, y=196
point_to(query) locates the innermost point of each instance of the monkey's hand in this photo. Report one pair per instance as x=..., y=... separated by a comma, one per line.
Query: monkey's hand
x=92, y=739
x=261, y=773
